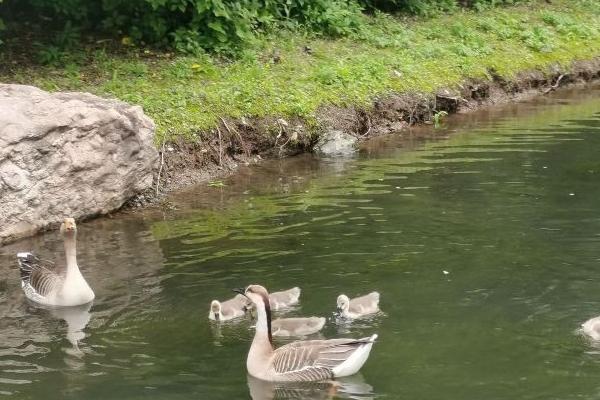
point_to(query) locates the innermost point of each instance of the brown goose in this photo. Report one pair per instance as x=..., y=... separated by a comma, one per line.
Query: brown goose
x=42, y=284
x=311, y=360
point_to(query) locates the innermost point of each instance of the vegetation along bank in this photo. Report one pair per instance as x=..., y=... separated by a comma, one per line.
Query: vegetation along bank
x=225, y=84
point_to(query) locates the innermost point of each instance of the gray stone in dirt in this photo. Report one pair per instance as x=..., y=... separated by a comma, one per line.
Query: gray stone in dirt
x=336, y=143
x=68, y=154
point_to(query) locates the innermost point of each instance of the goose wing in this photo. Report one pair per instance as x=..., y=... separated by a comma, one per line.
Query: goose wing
x=367, y=303
x=286, y=296
x=37, y=277
x=236, y=305
x=314, y=360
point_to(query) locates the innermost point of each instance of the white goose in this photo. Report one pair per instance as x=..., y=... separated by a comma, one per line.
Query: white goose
x=229, y=309
x=48, y=287
x=359, y=306
x=297, y=326
x=311, y=360
x=591, y=328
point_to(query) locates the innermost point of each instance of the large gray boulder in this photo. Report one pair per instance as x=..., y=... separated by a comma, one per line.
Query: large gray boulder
x=68, y=154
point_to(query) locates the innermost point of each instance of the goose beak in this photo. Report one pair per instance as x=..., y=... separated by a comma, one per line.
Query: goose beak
x=241, y=291
x=217, y=318
x=339, y=310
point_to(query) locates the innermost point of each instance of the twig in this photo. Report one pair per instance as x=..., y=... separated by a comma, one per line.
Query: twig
x=553, y=87
x=162, y=161
x=412, y=113
x=369, y=125
x=220, y=148
x=238, y=135
x=278, y=136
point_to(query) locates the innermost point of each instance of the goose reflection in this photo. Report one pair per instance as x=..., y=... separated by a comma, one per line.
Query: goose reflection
x=353, y=387
x=77, y=318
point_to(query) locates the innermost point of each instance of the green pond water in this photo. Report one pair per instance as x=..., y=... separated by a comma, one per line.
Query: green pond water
x=484, y=243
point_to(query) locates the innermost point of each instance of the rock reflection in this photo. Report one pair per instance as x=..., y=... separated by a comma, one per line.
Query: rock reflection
x=353, y=387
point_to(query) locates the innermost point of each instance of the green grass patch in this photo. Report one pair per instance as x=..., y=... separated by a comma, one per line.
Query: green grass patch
x=292, y=75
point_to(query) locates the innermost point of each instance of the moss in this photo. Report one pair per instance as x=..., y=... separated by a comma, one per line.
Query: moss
x=291, y=75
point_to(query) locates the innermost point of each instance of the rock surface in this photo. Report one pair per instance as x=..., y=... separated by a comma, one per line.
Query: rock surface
x=68, y=154
x=336, y=143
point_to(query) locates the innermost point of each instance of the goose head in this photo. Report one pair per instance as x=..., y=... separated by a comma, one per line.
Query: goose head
x=68, y=227
x=215, y=309
x=258, y=295
x=343, y=303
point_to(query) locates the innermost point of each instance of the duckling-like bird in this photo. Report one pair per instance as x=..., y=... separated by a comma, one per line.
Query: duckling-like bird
x=591, y=328
x=359, y=306
x=285, y=298
x=297, y=326
x=230, y=309
x=310, y=360
x=43, y=285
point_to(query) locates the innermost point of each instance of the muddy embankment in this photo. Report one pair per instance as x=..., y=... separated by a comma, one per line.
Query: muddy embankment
x=218, y=152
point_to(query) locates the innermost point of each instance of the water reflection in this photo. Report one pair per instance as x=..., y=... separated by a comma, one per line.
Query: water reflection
x=77, y=319
x=353, y=387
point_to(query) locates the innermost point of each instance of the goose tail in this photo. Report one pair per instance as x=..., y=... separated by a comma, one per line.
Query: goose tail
x=27, y=262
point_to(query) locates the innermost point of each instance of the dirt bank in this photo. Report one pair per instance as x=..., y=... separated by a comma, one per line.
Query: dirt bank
x=217, y=153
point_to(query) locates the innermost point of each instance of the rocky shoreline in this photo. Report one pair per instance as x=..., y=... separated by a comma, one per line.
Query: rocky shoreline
x=217, y=153
x=212, y=156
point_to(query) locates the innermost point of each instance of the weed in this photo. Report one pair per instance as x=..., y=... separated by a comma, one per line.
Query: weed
x=216, y=184
x=438, y=117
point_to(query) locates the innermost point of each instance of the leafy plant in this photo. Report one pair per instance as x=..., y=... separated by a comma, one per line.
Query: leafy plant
x=438, y=117
x=218, y=184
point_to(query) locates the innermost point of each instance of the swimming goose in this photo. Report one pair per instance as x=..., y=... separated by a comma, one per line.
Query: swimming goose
x=230, y=309
x=48, y=287
x=359, y=306
x=285, y=298
x=297, y=326
x=310, y=360
x=591, y=328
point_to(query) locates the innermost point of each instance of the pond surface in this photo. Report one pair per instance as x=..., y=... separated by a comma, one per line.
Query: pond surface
x=485, y=247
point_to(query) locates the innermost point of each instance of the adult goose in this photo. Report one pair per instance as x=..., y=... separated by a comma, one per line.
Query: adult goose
x=310, y=360
x=229, y=309
x=359, y=306
x=591, y=328
x=297, y=326
x=46, y=286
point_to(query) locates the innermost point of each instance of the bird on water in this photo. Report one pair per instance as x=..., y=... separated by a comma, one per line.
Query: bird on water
x=309, y=360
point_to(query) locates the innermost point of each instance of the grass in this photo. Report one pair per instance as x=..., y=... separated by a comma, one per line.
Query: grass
x=293, y=75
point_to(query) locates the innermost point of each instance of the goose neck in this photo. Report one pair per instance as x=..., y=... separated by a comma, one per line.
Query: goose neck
x=263, y=324
x=71, y=252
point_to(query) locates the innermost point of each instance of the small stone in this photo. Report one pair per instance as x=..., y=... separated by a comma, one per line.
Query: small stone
x=336, y=143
